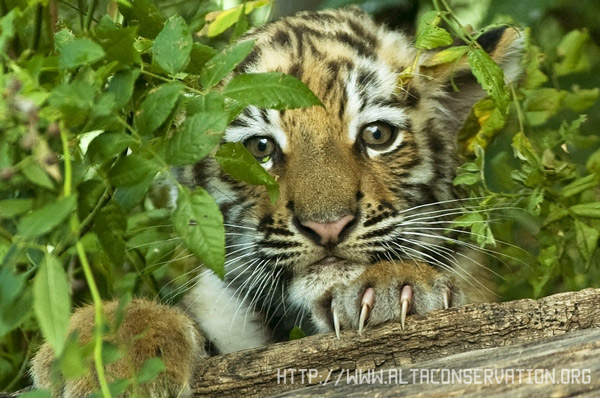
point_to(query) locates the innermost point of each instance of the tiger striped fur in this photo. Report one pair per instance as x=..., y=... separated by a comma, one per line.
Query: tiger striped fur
x=350, y=241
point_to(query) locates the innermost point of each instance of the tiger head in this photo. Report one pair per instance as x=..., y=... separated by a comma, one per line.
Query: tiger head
x=355, y=173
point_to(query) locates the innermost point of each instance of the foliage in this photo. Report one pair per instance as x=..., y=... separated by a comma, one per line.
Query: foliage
x=96, y=110
x=91, y=116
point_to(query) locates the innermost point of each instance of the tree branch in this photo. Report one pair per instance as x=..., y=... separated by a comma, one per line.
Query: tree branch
x=261, y=371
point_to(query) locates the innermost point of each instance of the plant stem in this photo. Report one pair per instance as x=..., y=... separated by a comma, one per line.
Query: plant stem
x=90, y=14
x=520, y=114
x=37, y=27
x=87, y=270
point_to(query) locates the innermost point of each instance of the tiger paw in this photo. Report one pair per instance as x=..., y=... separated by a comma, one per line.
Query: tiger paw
x=386, y=292
x=147, y=330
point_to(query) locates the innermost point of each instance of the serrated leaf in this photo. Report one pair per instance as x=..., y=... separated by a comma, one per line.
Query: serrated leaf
x=489, y=75
x=132, y=170
x=43, y=220
x=173, y=45
x=78, y=52
x=272, y=90
x=15, y=299
x=199, y=135
x=235, y=159
x=74, y=100
x=118, y=42
x=199, y=222
x=591, y=209
x=14, y=207
x=224, y=62
x=52, y=301
x=429, y=34
x=587, y=239
x=157, y=107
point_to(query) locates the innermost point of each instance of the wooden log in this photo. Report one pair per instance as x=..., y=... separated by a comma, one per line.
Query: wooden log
x=267, y=370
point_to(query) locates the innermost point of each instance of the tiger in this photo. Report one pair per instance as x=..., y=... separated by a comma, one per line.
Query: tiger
x=349, y=242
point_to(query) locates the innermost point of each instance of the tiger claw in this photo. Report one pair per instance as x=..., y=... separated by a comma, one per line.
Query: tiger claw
x=336, y=323
x=446, y=298
x=367, y=302
x=406, y=297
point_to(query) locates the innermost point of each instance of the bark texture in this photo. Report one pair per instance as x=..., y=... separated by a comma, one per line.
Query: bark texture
x=521, y=334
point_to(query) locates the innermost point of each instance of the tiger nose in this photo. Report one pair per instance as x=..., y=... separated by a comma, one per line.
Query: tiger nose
x=329, y=232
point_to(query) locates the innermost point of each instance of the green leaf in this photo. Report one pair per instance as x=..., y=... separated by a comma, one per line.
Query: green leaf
x=52, y=301
x=524, y=150
x=38, y=176
x=145, y=15
x=7, y=29
x=541, y=104
x=224, y=62
x=429, y=34
x=446, y=56
x=590, y=181
x=228, y=18
x=74, y=100
x=196, y=138
x=157, y=107
x=199, y=222
x=572, y=51
x=14, y=207
x=173, y=45
x=199, y=55
x=591, y=209
x=489, y=75
x=78, y=52
x=296, y=333
x=15, y=299
x=587, y=239
x=581, y=99
x=43, y=220
x=110, y=224
x=109, y=145
x=273, y=90
x=121, y=86
x=235, y=159
x=132, y=170
x=151, y=368
x=118, y=42
x=467, y=179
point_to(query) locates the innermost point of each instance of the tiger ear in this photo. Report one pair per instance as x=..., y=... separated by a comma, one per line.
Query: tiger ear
x=455, y=81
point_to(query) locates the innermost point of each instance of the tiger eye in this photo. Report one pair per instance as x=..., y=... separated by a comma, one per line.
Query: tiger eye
x=262, y=148
x=378, y=135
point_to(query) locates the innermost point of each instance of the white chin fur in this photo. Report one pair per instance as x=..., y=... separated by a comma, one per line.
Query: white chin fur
x=224, y=318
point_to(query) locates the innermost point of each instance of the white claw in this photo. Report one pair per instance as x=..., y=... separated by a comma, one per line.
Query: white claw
x=336, y=323
x=405, y=299
x=446, y=298
x=364, y=313
x=367, y=302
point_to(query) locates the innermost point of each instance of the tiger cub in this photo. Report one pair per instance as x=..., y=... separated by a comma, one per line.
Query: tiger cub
x=365, y=185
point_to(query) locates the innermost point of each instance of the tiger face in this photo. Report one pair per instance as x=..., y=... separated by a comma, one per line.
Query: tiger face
x=358, y=176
